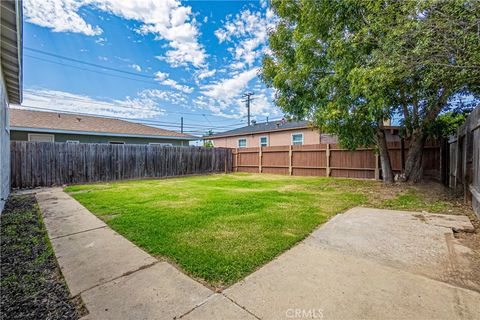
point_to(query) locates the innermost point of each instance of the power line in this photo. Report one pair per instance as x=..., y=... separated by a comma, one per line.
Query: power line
x=111, y=104
x=152, y=79
x=153, y=122
x=88, y=63
x=84, y=69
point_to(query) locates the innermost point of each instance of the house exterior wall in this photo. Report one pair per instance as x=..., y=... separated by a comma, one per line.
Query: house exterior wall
x=4, y=145
x=61, y=137
x=275, y=138
x=284, y=138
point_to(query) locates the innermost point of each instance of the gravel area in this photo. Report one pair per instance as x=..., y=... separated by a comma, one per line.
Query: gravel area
x=31, y=285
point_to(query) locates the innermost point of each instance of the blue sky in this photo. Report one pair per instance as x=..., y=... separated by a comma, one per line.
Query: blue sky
x=165, y=58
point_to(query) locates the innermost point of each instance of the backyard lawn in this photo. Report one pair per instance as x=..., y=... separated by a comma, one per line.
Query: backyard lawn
x=220, y=228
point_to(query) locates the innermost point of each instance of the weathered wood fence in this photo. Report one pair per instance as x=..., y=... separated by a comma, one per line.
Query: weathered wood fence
x=35, y=164
x=464, y=160
x=331, y=160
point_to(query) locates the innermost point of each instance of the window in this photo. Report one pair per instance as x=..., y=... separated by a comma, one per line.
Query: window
x=73, y=141
x=264, y=141
x=242, y=143
x=39, y=137
x=297, y=139
x=116, y=142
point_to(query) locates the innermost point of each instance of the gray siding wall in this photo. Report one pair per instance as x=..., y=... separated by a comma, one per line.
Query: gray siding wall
x=4, y=145
x=59, y=137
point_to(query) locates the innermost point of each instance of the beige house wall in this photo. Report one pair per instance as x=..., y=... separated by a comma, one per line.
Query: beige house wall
x=276, y=138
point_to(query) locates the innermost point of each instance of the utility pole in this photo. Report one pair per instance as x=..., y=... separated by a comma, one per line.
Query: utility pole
x=248, y=99
x=181, y=124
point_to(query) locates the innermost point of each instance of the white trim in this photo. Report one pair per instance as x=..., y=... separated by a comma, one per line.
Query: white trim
x=72, y=141
x=294, y=134
x=116, y=142
x=41, y=134
x=238, y=142
x=92, y=133
x=260, y=141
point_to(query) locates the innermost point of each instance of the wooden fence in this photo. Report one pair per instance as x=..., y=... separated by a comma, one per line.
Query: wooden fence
x=35, y=164
x=331, y=160
x=464, y=160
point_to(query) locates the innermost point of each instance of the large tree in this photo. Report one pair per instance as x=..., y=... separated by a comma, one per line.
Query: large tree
x=349, y=65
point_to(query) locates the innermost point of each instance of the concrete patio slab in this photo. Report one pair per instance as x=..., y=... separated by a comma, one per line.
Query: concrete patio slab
x=157, y=292
x=64, y=216
x=313, y=282
x=218, y=307
x=94, y=257
x=401, y=239
x=455, y=222
x=366, y=263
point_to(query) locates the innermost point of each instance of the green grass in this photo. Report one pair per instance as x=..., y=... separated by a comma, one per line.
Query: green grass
x=413, y=200
x=220, y=227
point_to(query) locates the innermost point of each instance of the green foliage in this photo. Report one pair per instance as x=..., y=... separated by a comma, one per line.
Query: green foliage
x=349, y=64
x=208, y=143
x=447, y=123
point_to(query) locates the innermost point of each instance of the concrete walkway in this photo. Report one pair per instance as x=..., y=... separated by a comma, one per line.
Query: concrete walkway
x=366, y=263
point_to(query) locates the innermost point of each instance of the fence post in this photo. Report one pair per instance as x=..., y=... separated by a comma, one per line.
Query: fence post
x=225, y=156
x=377, y=170
x=290, y=170
x=327, y=153
x=260, y=159
x=236, y=159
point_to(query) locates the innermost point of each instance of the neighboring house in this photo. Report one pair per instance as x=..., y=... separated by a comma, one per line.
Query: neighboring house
x=277, y=133
x=27, y=125
x=11, y=83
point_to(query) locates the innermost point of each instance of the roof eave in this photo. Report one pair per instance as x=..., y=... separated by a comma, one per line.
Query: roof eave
x=254, y=132
x=11, y=49
x=95, y=133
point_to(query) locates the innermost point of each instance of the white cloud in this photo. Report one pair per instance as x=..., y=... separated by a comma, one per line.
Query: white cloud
x=142, y=106
x=177, y=98
x=176, y=85
x=60, y=16
x=162, y=77
x=228, y=88
x=206, y=74
x=136, y=67
x=247, y=31
x=101, y=41
x=224, y=97
x=166, y=19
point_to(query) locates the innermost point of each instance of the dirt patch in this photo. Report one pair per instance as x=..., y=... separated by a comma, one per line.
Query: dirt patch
x=472, y=241
x=32, y=286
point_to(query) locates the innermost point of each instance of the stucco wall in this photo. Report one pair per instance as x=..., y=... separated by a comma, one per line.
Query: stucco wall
x=279, y=138
x=23, y=136
x=4, y=146
x=284, y=138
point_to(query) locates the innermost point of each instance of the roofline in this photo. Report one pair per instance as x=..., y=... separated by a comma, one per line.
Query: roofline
x=94, y=133
x=255, y=132
x=12, y=50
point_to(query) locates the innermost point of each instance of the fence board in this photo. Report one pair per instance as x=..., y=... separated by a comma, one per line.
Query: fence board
x=464, y=160
x=328, y=160
x=41, y=164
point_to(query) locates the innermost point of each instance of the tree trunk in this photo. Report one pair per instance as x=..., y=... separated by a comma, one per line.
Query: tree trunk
x=387, y=172
x=414, y=162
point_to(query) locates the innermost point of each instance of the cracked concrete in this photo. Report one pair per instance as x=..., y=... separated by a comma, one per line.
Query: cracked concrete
x=365, y=263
